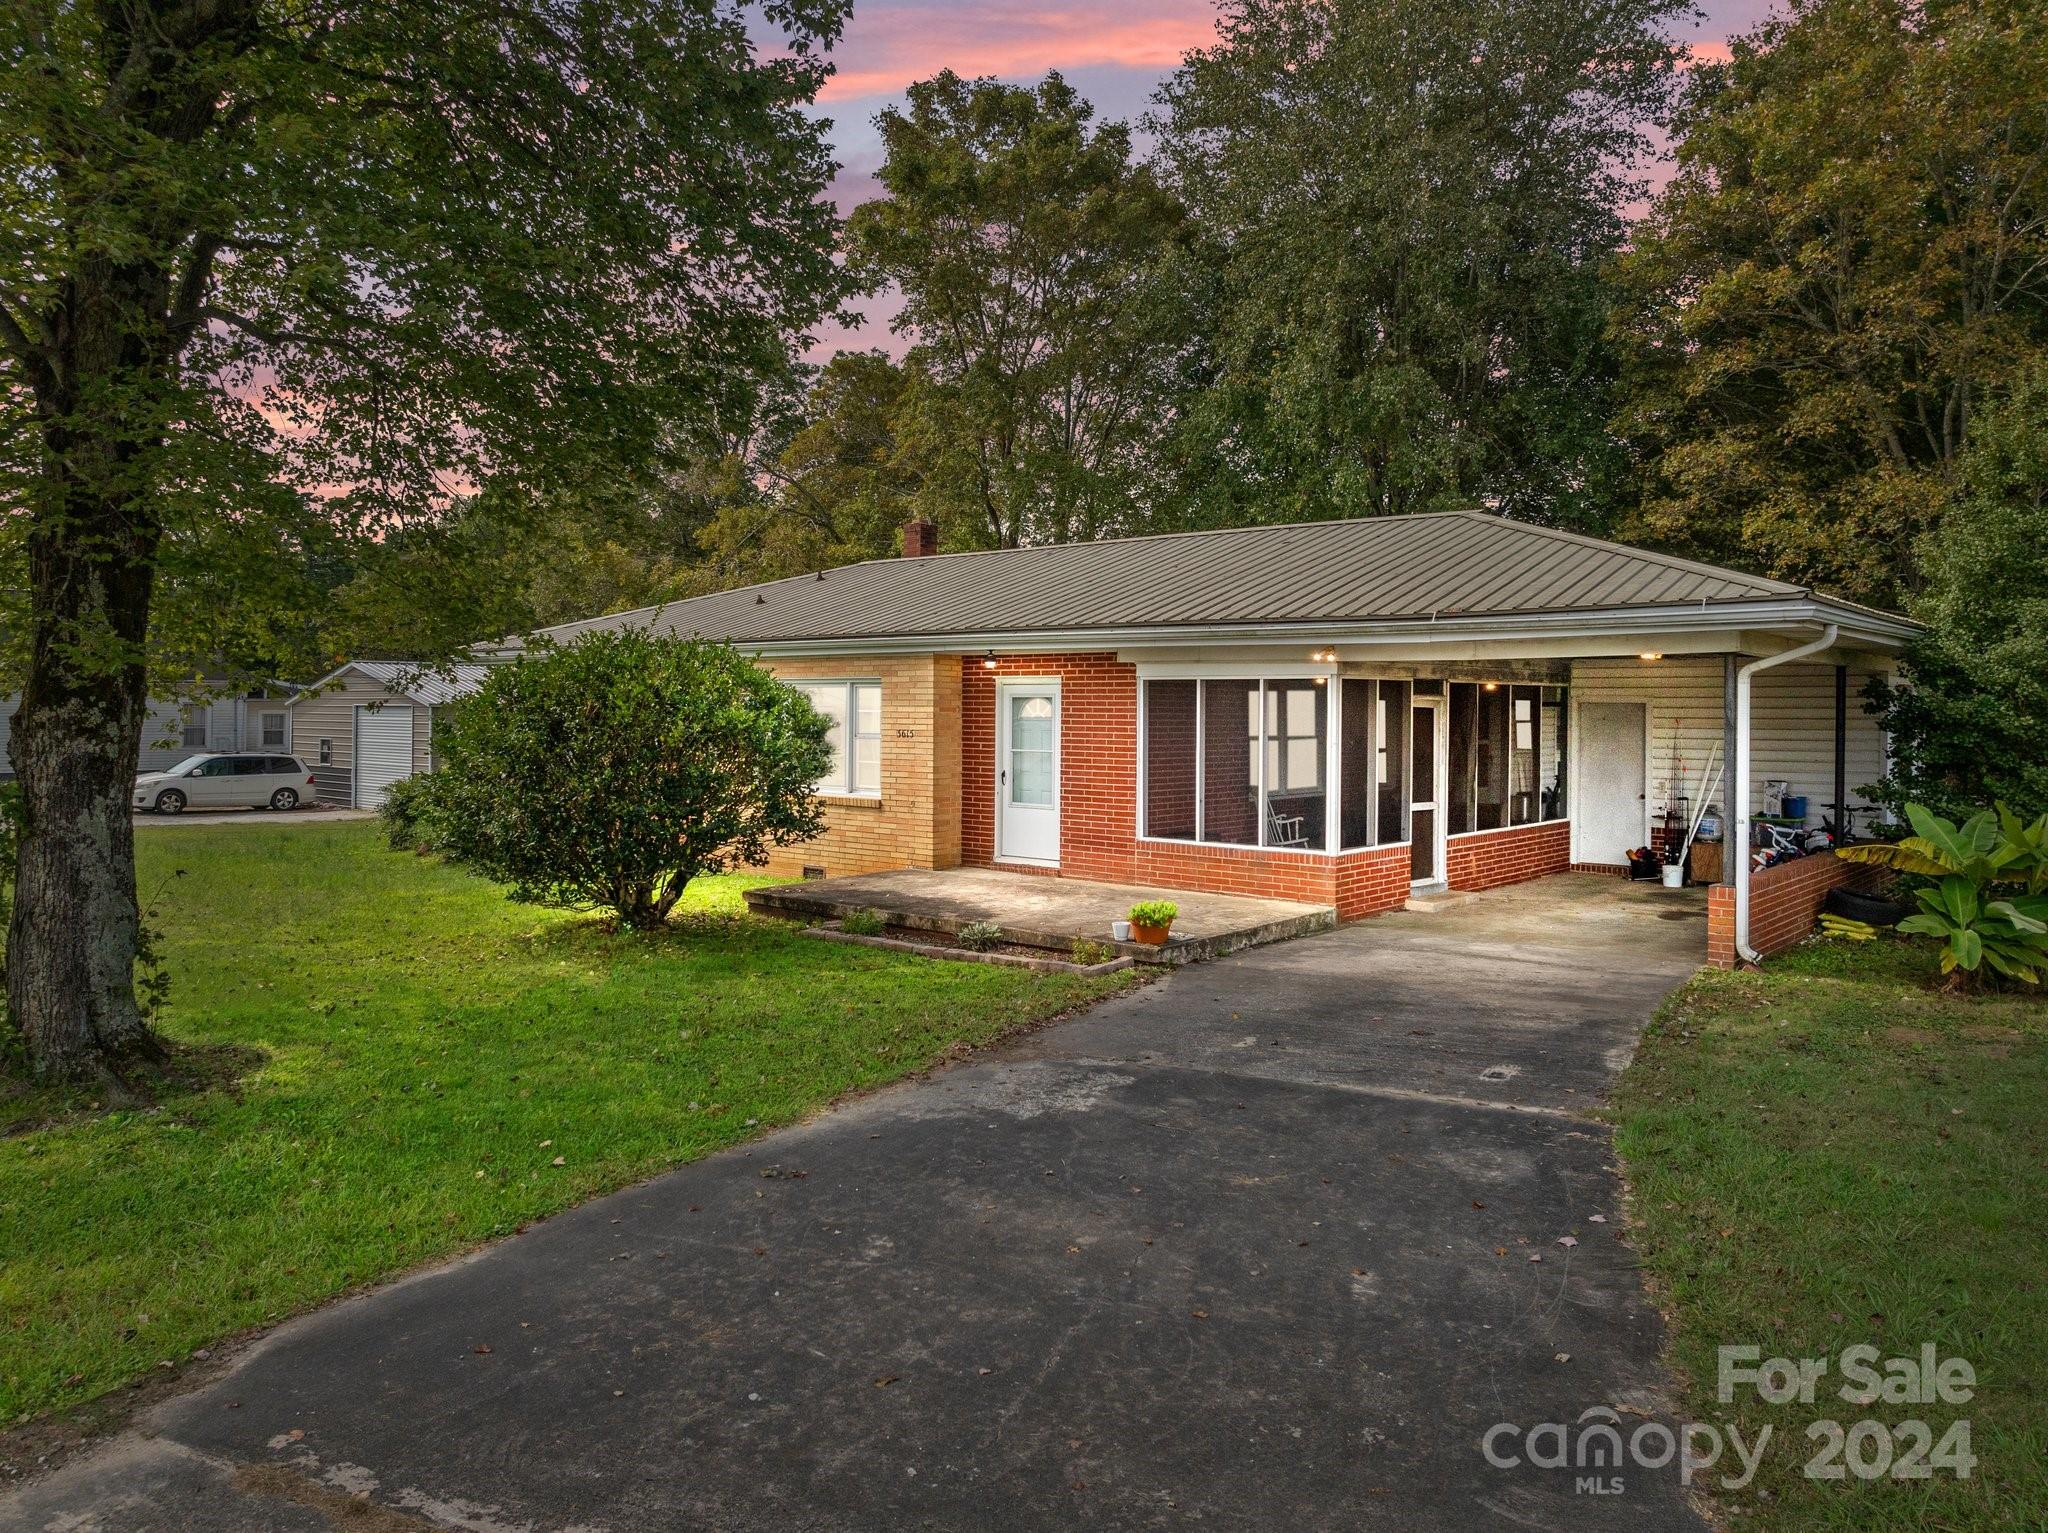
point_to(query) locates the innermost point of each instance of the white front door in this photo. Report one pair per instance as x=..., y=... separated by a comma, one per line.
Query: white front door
x=1609, y=739
x=1028, y=771
x=383, y=751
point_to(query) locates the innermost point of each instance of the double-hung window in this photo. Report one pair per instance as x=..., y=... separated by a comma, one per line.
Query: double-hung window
x=854, y=711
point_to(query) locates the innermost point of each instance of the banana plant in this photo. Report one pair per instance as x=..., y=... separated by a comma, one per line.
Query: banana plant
x=1990, y=904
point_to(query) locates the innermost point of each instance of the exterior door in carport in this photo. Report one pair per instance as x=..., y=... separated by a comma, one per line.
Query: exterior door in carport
x=1608, y=802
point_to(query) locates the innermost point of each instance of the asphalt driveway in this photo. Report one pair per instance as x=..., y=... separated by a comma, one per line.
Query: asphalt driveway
x=1253, y=1247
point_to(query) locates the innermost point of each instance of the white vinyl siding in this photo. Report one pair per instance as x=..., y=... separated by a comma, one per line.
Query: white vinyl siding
x=1792, y=721
x=1686, y=699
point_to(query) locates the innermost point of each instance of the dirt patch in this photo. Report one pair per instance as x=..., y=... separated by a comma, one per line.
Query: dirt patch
x=1984, y=1032
x=1910, y=1035
x=189, y=1070
x=357, y=1514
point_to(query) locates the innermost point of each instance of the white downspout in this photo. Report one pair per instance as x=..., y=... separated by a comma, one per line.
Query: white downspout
x=1740, y=818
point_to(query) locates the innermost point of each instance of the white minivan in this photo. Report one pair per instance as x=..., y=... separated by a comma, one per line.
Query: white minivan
x=225, y=782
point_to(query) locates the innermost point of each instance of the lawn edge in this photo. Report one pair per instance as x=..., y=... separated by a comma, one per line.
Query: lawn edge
x=40, y=1446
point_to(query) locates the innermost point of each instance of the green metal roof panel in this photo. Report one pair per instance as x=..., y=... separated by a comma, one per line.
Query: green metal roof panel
x=1453, y=564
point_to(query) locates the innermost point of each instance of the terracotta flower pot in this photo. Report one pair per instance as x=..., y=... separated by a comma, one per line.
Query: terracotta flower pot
x=1152, y=934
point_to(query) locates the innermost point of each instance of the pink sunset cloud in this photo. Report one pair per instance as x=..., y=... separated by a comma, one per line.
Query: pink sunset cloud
x=891, y=45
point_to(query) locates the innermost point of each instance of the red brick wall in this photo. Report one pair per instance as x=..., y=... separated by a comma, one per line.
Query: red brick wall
x=1490, y=858
x=1099, y=793
x=1783, y=902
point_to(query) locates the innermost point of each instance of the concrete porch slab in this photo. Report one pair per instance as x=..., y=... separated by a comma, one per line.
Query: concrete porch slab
x=1045, y=911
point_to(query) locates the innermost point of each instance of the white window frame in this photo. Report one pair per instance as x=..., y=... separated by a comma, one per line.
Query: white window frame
x=263, y=723
x=843, y=784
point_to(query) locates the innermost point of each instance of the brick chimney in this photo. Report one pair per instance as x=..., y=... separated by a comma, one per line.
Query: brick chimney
x=920, y=539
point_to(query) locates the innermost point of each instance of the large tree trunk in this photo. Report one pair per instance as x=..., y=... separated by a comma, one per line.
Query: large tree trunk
x=71, y=946
x=92, y=549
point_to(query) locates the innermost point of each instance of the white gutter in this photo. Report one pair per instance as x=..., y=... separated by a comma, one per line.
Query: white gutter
x=1321, y=635
x=1740, y=820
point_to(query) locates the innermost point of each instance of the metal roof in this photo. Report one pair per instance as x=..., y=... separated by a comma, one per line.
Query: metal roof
x=1459, y=564
x=406, y=678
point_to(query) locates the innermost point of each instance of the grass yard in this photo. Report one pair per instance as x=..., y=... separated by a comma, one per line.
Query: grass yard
x=431, y=1065
x=1832, y=1152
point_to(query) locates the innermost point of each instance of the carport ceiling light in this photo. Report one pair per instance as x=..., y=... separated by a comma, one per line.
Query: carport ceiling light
x=1651, y=654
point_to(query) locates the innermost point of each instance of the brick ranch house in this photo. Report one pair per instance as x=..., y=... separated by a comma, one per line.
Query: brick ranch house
x=1336, y=712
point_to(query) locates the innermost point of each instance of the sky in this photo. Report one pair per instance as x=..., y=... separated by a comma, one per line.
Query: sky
x=1115, y=52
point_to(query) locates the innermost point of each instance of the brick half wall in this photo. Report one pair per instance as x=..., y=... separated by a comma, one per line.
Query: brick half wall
x=1099, y=801
x=1489, y=858
x=1783, y=903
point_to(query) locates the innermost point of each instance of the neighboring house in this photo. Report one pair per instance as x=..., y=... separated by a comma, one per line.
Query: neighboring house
x=1342, y=712
x=177, y=727
x=371, y=723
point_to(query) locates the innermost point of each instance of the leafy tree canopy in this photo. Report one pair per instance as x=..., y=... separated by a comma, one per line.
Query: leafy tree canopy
x=1851, y=258
x=1970, y=724
x=1405, y=206
x=277, y=278
x=1023, y=241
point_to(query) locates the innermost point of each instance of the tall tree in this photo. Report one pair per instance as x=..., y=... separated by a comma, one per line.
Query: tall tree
x=1852, y=254
x=836, y=487
x=1406, y=205
x=1968, y=724
x=1023, y=242
x=359, y=256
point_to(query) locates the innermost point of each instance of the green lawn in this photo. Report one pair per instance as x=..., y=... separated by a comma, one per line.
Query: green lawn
x=437, y=1066
x=1832, y=1152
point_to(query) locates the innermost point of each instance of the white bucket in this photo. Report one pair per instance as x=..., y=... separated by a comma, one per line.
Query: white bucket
x=1120, y=931
x=1674, y=875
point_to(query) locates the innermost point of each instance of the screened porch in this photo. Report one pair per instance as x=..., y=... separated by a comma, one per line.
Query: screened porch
x=1331, y=763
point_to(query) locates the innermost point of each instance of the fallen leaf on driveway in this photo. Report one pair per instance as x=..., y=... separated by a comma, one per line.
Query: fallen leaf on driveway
x=1567, y=1241
x=1564, y=1357
x=1535, y=1256
x=1596, y=1218
x=481, y=1348
x=885, y=1381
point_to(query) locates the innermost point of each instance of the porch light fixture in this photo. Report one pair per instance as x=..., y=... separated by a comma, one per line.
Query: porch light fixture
x=1651, y=654
x=988, y=661
x=1492, y=686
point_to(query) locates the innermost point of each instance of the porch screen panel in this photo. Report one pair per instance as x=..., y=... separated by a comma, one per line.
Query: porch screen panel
x=1463, y=755
x=1550, y=753
x=1297, y=746
x=1230, y=745
x=1355, y=766
x=1170, y=744
x=1524, y=804
x=1491, y=780
x=1390, y=761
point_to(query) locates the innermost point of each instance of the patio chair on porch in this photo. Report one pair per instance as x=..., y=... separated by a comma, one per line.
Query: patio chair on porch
x=1285, y=829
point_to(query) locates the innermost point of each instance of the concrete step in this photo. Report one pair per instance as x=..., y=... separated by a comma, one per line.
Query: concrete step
x=1442, y=899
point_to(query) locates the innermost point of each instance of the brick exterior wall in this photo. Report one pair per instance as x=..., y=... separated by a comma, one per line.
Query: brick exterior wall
x=1099, y=801
x=1783, y=902
x=1489, y=858
x=916, y=821
x=937, y=806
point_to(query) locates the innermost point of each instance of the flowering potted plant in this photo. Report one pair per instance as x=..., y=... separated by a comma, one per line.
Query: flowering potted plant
x=1151, y=920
